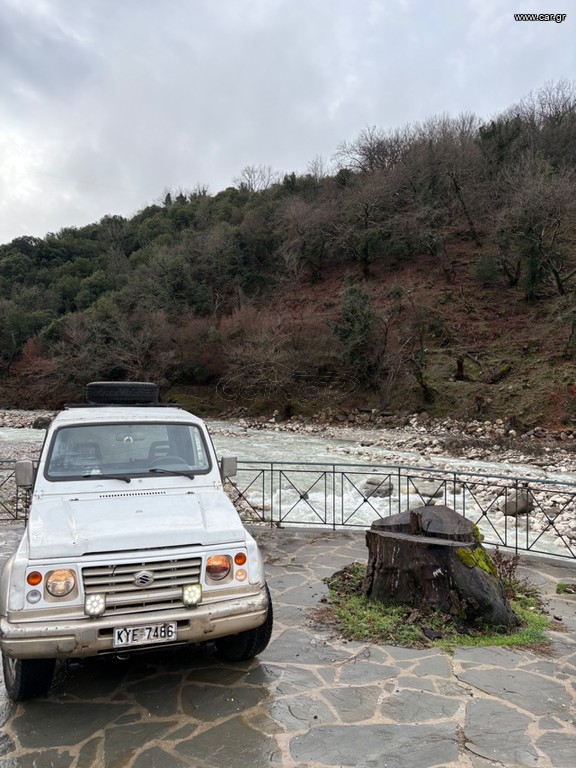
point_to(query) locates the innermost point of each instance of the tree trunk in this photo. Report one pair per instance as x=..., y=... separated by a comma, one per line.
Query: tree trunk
x=412, y=562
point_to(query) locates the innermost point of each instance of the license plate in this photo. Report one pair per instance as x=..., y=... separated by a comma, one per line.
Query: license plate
x=125, y=637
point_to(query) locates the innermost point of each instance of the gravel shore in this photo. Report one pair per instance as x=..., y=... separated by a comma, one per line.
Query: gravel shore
x=476, y=441
x=432, y=439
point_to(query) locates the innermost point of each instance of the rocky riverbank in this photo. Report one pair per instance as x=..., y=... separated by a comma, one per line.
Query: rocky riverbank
x=548, y=450
x=25, y=419
x=553, y=452
x=13, y=444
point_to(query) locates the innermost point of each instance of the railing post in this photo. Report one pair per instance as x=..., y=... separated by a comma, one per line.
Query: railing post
x=272, y=497
x=334, y=497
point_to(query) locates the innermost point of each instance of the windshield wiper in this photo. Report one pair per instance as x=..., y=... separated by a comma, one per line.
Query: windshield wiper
x=162, y=471
x=124, y=478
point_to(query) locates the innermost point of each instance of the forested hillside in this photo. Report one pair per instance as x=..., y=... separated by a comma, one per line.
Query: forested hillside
x=430, y=267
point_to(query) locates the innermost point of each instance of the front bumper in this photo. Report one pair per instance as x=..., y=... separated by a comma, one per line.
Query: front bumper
x=90, y=637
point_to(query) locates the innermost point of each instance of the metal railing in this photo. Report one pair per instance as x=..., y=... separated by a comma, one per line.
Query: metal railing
x=14, y=501
x=524, y=514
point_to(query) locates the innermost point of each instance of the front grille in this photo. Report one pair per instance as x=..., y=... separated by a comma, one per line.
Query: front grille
x=123, y=596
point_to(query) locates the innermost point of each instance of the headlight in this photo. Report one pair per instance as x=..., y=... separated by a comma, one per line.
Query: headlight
x=60, y=583
x=218, y=567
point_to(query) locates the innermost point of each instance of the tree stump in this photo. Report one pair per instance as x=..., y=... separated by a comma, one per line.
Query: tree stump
x=432, y=556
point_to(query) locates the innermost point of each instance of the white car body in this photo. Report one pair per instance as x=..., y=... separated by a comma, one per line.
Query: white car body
x=114, y=521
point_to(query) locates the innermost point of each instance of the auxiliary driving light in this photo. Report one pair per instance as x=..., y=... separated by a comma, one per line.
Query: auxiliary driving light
x=34, y=596
x=95, y=605
x=191, y=594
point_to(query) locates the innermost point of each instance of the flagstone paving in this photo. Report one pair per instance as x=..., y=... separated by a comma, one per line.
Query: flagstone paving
x=311, y=700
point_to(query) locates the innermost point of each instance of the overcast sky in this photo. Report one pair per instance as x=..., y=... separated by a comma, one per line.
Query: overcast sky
x=106, y=104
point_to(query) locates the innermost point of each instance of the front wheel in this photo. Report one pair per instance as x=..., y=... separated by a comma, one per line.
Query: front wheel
x=247, y=644
x=27, y=678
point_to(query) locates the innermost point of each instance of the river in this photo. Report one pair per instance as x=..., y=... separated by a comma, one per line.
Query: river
x=346, y=447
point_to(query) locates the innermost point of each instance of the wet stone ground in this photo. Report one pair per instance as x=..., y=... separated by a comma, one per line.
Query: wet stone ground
x=311, y=700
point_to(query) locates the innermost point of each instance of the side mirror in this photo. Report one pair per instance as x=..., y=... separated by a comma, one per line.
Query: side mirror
x=228, y=466
x=24, y=473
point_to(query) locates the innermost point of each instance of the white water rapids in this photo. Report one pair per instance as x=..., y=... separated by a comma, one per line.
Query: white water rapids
x=267, y=445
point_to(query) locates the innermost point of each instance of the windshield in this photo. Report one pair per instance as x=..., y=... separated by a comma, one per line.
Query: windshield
x=125, y=450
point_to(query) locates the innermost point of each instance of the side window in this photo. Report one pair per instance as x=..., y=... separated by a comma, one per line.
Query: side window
x=186, y=442
x=201, y=457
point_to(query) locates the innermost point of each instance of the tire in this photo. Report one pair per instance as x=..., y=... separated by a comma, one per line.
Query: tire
x=247, y=644
x=27, y=678
x=121, y=392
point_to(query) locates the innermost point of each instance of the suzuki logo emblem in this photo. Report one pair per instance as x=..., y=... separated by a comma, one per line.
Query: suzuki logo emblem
x=143, y=578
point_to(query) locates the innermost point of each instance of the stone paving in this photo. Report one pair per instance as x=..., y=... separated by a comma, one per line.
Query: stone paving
x=311, y=700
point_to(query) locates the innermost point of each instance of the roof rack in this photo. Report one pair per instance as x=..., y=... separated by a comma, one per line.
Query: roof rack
x=69, y=406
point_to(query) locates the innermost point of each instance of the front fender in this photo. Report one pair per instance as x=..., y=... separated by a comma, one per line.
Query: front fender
x=5, y=579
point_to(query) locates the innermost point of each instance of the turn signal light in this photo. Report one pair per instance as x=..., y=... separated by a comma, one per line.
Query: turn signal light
x=34, y=578
x=240, y=558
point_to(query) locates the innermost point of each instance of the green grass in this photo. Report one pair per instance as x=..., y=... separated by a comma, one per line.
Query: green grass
x=358, y=618
x=565, y=588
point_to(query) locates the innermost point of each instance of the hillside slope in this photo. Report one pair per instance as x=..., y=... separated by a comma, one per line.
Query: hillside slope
x=433, y=268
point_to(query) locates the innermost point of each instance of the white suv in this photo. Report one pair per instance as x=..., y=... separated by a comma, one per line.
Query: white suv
x=131, y=542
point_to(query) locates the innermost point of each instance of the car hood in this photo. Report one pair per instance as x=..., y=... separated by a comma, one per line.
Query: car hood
x=72, y=527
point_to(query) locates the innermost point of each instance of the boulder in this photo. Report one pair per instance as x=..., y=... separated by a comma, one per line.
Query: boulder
x=517, y=503
x=42, y=422
x=430, y=488
x=377, y=486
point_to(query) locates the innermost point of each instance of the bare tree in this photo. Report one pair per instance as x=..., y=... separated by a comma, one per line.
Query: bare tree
x=94, y=344
x=199, y=190
x=554, y=102
x=373, y=150
x=548, y=121
x=319, y=168
x=305, y=230
x=535, y=226
x=256, y=178
x=448, y=157
x=359, y=229
x=261, y=364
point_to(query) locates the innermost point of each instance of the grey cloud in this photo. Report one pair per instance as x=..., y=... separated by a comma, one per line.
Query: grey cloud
x=38, y=61
x=128, y=98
